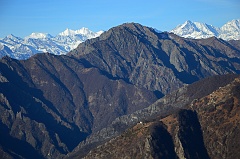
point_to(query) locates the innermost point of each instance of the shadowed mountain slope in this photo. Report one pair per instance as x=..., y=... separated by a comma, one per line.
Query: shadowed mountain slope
x=53, y=102
x=169, y=104
x=207, y=128
x=157, y=61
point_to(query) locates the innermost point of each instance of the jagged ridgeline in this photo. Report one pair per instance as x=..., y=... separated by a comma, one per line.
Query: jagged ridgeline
x=57, y=106
x=23, y=48
x=159, y=62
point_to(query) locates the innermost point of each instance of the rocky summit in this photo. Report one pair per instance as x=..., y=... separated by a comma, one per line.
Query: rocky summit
x=65, y=106
x=160, y=62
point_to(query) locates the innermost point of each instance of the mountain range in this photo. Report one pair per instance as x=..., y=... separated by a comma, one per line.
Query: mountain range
x=196, y=30
x=23, y=48
x=169, y=95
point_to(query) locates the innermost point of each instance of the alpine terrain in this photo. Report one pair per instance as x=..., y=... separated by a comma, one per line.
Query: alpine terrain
x=23, y=48
x=132, y=92
x=196, y=30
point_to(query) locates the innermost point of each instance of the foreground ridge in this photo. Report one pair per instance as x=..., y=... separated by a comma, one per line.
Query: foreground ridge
x=187, y=133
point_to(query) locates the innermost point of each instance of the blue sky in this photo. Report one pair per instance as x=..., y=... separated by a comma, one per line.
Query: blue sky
x=22, y=17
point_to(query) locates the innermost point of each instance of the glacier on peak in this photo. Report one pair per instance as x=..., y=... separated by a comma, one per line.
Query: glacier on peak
x=38, y=36
x=23, y=48
x=231, y=30
x=83, y=31
x=197, y=30
x=12, y=39
x=232, y=25
x=67, y=32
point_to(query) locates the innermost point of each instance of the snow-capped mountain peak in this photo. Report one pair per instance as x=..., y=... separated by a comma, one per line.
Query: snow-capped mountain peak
x=231, y=30
x=197, y=30
x=83, y=31
x=67, y=32
x=43, y=42
x=67, y=40
x=187, y=23
x=39, y=36
x=12, y=38
x=186, y=27
x=233, y=25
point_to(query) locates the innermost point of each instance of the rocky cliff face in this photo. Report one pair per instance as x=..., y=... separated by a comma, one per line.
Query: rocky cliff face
x=167, y=105
x=219, y=117
x=145, y=140
x=207, y=128
x=157, y=61
x=51, y=103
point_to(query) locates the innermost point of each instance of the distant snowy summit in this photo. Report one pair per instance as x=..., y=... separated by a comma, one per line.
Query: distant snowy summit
x=23, y=48
x=196, y=30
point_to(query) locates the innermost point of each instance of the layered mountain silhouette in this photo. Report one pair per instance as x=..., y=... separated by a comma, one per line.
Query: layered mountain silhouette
x=23, y=48
x=64, y=106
